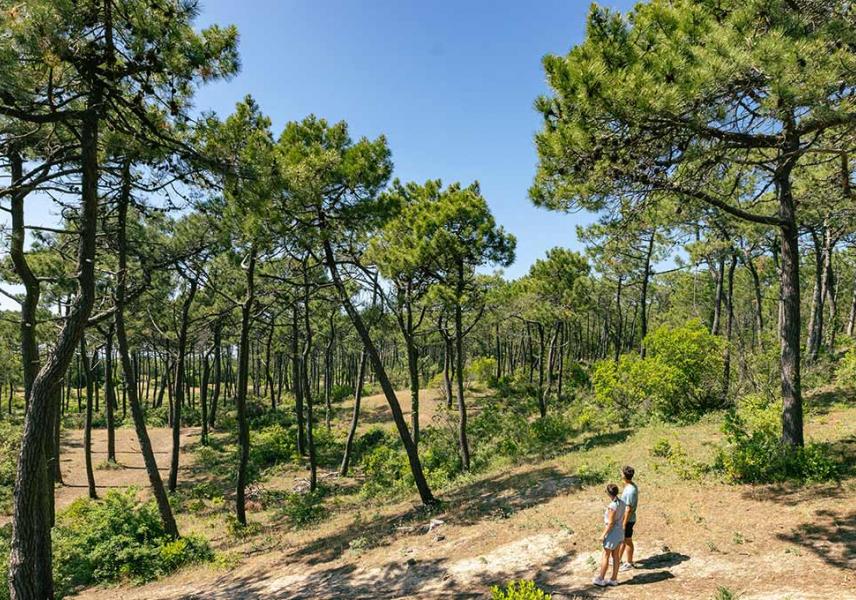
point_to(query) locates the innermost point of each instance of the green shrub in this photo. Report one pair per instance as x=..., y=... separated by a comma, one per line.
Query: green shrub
x=303, y=509
x=678, y=378
x=662, y=448
x=10, y=442
x=340, y=393
x=386, y=470
x=757, y=455
x=589, y=475
x=5, y=550
x=519, y=590
x=157, y=416
x=483, y=369
x=117, y=538
x=272, y=445
x=845, y=372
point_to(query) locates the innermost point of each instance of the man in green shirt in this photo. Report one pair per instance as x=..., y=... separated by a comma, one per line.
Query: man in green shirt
x=630, y=496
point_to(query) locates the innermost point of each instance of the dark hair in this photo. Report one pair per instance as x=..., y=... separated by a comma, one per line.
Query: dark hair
x=612, y=490
x=628, y=472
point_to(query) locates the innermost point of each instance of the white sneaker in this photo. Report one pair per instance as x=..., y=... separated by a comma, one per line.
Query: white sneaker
x=626, y=566
x=599, y=582
x=612, y=582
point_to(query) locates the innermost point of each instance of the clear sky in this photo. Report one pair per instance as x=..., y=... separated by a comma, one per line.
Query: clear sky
x=450, y=83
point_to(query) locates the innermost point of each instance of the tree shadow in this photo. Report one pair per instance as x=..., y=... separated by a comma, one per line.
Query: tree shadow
x=601, y=439
x=662, y=561
x=831, y=536
x=496, y=497
x=647, y=578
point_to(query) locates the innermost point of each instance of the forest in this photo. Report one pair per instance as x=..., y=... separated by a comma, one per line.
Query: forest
x=287, y=337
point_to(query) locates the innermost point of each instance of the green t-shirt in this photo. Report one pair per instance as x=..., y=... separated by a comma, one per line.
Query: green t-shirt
x=630, y=495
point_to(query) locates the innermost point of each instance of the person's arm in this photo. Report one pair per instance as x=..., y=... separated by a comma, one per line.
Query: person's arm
x=627, y=510
x=609, y=524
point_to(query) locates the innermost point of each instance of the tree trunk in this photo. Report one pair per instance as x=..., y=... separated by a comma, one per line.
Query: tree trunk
x=215, y=396
x=792, y=410
x=459, y=372
x=178, y=399
x=297, y=376
x=241, y=396
x=815, y=323
x=109, y=396
x=729, y=328
x=398, y=417
x=355, y=417
x=30, y=576
x=643, y=295
x=87, y=424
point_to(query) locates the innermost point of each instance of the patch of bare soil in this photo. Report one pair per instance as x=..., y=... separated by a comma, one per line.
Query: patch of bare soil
x=537, y=522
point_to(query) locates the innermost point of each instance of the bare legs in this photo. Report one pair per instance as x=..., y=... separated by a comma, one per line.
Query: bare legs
x=615, y=553
x=627, y=550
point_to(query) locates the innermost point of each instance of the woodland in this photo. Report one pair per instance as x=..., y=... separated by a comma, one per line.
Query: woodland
x=211, y=277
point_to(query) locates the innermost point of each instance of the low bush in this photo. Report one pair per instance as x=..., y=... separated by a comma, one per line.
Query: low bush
x=10, y=442
x=117, y=538
x=589, y=475
x=5, y=550
x=845, y=372
x=519, y=590
x=482, y=369
x=753, y=451
x=677, y=380
x=303, y=509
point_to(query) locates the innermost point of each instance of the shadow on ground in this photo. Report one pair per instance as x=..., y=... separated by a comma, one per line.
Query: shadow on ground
x=830, y=535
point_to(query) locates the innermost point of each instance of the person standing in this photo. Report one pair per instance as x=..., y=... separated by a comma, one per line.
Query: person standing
x=630, y=496
x=613, y=535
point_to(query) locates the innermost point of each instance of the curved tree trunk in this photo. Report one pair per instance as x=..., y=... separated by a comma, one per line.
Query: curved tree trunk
x=397, y=416
x=137, y=414
x=30, y=576
x=87, y=426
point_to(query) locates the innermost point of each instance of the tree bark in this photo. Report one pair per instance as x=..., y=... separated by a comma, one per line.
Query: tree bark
x=398, y=417
x=241, y=396
x=137, y=414
x=87, y=425
x=30, y=576
x=178, y=399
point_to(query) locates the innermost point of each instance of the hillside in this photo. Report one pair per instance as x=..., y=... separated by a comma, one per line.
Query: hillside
x=538, y=520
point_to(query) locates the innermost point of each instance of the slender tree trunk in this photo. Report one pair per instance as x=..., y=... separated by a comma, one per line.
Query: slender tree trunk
x=643, y=295
x=729, y=328
x=355, y=417
x=298, y=381
x=815, y=324
x=398, y=417
x=87, y=424
x=215, y=396
x=307, y=386
x=717, y=297
x=178, y=399
x=109, y=396
x=241, y=397
x=30, y=576
x=29, y=305
x=459, y=371
x=792, y=411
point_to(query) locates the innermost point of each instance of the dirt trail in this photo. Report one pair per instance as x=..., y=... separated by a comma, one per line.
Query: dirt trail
x=536, y=521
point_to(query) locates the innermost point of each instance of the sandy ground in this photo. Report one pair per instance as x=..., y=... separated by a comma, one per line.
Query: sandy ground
x=534, y=521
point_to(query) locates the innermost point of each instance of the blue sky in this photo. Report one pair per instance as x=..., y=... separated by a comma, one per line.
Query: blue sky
x=451, y=85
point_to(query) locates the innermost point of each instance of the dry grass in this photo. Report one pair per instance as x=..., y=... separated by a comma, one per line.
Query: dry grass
x=534, y=521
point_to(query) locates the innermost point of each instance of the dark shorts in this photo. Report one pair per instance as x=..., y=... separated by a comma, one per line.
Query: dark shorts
x=628, y=531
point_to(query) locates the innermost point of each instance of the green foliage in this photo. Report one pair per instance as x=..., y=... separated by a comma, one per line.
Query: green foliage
x=303, y=509
x=845, y=372
x=677, y=379
x=272, y=445
x=662, y=448
x=5, y=549
x=723, y=593
x=115, y=539
x=483, y=369
x=593, y=475
x=519, y=590
x=340, y=393
x=10, y=442
x=753, y=452
x=386, y=471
